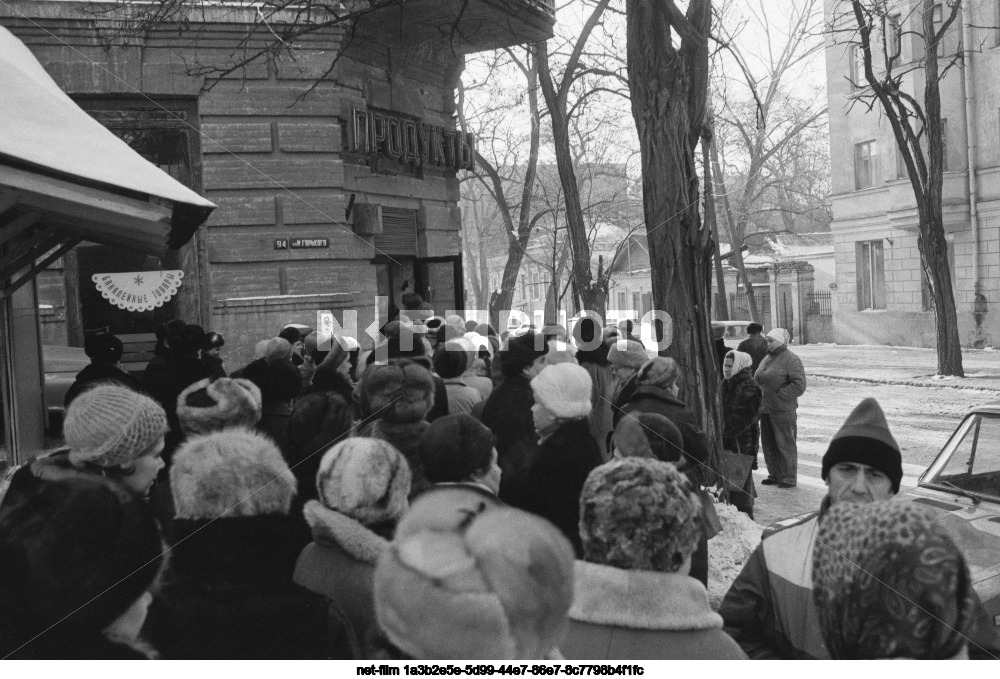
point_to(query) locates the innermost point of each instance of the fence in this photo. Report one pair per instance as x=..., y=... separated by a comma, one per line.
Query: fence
x=739, y=307
x=818, y=304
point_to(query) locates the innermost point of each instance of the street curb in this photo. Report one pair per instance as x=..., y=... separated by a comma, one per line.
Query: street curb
x=903, y=383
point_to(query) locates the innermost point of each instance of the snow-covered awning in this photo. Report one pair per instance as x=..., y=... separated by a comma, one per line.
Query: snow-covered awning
x=65, y=178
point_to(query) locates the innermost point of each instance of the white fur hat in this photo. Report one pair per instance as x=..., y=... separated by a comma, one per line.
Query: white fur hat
x=207, y=406
x=366, y=479
x=564, y=390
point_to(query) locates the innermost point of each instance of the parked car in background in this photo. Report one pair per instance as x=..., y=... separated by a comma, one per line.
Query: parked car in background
x=736, y=331
x=962, y=486
x=61, y=366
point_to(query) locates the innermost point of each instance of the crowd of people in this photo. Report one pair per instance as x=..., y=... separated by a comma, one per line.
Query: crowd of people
x=453, y=492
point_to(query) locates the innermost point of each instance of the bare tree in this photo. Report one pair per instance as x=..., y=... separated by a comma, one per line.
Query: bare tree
x=876, y=36
x=668, y=78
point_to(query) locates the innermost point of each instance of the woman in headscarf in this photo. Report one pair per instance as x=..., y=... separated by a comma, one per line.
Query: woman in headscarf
x=741, y=404
x=889, y=583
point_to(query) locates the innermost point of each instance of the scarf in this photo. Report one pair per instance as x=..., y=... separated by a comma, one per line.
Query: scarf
x=741, y=360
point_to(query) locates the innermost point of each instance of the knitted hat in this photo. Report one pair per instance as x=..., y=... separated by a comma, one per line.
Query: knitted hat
x=649, y=435
x=564, y=390
x=627, y=354
x=278, y=380
x=660, y=371
x=210, y=406
x=865, y=438
x=103, y=348
x=454, y=448
x=236, y=472
x=521, y=352
x=468, y=578
x=366, y=479
x=779, y=335
x=402, y=391
x=74, y=556
x=639, y=514
x=111, y=425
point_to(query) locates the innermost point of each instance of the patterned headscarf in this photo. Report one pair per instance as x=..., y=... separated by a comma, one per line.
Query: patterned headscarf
x=741, y=360
x=888, y=583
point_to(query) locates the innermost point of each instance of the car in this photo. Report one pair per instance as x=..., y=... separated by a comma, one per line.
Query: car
x=962, y=487
x=736, y=331
x=61, y=366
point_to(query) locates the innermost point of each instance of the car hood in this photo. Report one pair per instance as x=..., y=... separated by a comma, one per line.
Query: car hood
x=975, y=530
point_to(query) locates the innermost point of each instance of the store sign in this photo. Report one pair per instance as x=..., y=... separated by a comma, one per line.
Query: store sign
x=138, y=290
x=409, y=141
x=301, y=243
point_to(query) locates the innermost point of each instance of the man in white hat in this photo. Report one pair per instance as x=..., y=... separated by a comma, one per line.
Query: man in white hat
x=782, y=379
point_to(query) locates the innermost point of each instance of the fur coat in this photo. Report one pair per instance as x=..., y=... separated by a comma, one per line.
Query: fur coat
x=643, y=615
x=340, y=565
x=741, y=407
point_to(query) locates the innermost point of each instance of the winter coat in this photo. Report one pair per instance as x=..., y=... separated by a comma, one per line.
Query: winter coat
x=96, y=646
x=405, y=437
x=643, y=615
x=164, y=381
x=96, y=373
x=720, y=352
x=508, y=415
x=274, y=423
x=24, y=481
x=756, y=346
x=340, y=565
x=769, y=608
x=331, y=379
x=602, y=389
x=229, y=595
x=214, y=366
x=782, y=379
x=440, y=408
x=461, y=397
x=484, y=385
x=741, y=407
x=647, y=399
x=551, y=486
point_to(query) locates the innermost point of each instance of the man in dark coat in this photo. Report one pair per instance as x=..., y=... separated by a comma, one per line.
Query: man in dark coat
x=782, y=379
x=507, y=411
x=104, y=351
x=755, y=345
x=567, y=453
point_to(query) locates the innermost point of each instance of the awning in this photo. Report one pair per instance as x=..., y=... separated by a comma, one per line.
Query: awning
x=65, y=178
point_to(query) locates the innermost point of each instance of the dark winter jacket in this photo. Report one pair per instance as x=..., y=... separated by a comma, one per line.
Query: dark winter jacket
x=25, y=481
x=551, y=486
x=229, y=595
x=741, y=408
x=508, y=415
x=649, y=399
x=340, y=565
x=96, y=373
x=782, y=379
x=214, y=366
x=274, y=423
x=405, y=437
x=165, y=381
x=720, y=352
x=331, y=379
x=756, y=346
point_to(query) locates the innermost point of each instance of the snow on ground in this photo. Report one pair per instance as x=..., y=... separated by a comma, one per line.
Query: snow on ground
x=729, y=550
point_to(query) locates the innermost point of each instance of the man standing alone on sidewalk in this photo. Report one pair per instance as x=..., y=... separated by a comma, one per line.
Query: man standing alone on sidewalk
x=782, y=379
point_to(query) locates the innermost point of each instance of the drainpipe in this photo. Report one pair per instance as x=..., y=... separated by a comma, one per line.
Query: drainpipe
x=970, y=98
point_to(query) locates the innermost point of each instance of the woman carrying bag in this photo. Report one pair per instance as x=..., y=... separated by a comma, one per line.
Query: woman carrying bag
x=741, y=408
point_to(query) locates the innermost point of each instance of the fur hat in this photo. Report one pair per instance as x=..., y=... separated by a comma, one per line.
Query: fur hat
x=103, y=348
x=521, y=352
x=110, y=425
x=631, y=355
x=278, y=380
x=639, y=514
x=402, y=391
x=865, y=438
x=236, y=472
x=455, y=447
x=455, y=320
x=210, y=406
x=278, y=348
x=648, y=435
x=451, y=359
x=467, y=577
x=564, y=390
x=366, y=479
x=660, y=372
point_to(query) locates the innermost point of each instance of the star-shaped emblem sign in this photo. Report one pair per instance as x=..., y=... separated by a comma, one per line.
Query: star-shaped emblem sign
x=137, y=280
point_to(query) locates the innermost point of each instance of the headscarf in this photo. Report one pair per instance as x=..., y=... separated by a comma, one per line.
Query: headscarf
x=741, y=361
x=889, y=583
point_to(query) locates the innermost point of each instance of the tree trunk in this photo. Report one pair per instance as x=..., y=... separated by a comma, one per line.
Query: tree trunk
x=712, y=221
x=669, y=88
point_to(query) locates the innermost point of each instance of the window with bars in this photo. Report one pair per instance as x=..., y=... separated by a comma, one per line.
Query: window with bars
x=865, y=163
x=870, y=271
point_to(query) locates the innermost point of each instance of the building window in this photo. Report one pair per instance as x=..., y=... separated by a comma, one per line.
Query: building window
x=894, y=37
x=870, y=274
x=856, y=57
x=637, y=303
x=900, y=164
x=621, y=301
x=865, y=155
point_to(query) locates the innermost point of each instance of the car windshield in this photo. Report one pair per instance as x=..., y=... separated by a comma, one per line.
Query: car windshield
x=970, y=462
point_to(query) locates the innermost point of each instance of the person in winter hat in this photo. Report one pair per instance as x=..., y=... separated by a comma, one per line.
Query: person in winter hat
x=362, y=487
x=395, y=401
x=233, y=551
x=496, y=581
x=592, y=355
x=634, y=598
x=890, y=583
x=782, y=379
x=77, y=561
x=460, y=449
x=862, y=466
x=208, y=406
x=626, y=356
x=279, y=382
x=450, y=362
x=110, y=431
x=649, y=435
x=211, y=347
x=180, y=367
x=741, y=407
x=550, y=487
x=755, y=345
x=403, y=343
x=318, y=421
x=104, y=351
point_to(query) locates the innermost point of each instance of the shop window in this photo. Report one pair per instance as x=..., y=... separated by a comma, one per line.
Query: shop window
x=870, y=270
x=865, y=163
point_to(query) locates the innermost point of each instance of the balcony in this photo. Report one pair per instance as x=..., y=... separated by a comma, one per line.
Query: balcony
x=466, y=26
